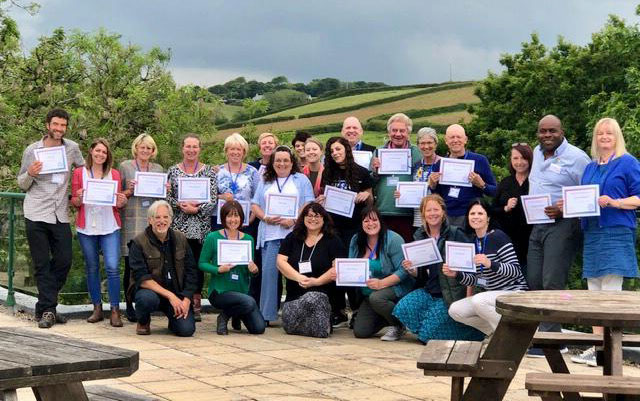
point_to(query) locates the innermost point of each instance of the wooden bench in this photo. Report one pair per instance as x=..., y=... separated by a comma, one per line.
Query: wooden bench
x=549, y=386
x=556, y=340
x=460, y=359
x=55, y=366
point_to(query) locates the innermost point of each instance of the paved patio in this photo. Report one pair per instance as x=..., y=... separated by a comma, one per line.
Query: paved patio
x=273, y=366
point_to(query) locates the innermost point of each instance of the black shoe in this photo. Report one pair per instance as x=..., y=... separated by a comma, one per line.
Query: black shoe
x=47, y=320
x=338, y=320
x=236, y=323
x=131, y=313
x=221, y=328
x=60, y=318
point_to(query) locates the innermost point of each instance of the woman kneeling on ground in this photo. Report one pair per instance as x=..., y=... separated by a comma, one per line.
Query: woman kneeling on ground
x=305, y=258
x=229, y=284
x=497, y=272
x=425, y=310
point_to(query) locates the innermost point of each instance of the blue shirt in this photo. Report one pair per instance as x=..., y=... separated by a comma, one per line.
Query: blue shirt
x=563, y=169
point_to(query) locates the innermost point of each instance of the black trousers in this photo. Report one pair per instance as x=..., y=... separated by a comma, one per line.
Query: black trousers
x=50, y=248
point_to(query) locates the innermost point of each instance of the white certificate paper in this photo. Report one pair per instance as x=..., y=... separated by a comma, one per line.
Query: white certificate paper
x=581, y=201
x=150, y=185
x=100, y=192
x=460, y=256
x=234, y=252
x=246, y=208
x=411, y=193
x=194, y=190
x=54, y=159
x=339, y=201
x=362, y=158
x=456, y=171
x=394, y=161
x=282, y=205
x=422, y=253
x=533, y=206
x=352, y=272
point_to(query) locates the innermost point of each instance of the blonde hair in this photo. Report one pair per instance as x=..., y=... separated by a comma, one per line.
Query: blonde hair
x=316, y=141
x=236, y=139
x=423, y=205
x=266, y=135
x=400, y=117
x=617, y=132
x=144, y=139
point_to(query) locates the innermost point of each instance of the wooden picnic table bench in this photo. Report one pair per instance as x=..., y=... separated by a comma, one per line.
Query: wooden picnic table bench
x=55, y=366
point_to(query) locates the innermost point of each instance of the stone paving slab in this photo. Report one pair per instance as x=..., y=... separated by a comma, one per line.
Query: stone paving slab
x=273, y=366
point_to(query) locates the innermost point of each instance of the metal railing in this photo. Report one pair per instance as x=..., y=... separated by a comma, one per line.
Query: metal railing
x=13, y=198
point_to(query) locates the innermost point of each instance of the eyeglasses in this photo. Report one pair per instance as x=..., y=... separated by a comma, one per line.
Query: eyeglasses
x=314, y=217
x=513, y=145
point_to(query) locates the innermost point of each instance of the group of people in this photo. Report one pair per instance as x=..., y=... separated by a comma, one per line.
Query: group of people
x=169, y=244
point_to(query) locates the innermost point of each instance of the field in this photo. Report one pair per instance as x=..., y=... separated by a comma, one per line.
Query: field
x=425, y=101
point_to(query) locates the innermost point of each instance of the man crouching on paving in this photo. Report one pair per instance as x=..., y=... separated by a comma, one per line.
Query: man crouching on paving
x=164, y=273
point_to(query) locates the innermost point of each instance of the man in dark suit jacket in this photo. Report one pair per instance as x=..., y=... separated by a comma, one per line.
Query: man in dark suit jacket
x=352, y=132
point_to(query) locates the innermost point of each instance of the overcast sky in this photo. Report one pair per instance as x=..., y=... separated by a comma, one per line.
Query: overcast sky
x=397, y=42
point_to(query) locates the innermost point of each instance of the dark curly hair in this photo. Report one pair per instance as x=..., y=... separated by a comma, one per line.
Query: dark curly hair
x=270, y=172
x=331, y=173
x=300, y=230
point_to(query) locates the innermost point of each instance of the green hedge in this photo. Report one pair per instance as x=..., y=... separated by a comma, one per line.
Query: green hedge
x=419, y=113
x=258, y=121
x=385, y=100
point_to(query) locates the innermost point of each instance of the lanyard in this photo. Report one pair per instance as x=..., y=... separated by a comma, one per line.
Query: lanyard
x=312, y=249
x=480, y=248
x=422, y=176
x=234, y=182
x=195, y=168
x=138, y=166
x=280, y=188
x=224, y=230
x=91, y=172
x=372, y=252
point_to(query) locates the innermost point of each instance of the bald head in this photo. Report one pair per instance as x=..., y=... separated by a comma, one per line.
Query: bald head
x=456, y=140
x=550, y=119
x=550, y=133
x=352, y=130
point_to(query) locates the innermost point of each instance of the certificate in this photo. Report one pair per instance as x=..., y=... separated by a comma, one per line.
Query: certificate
x=194, y=190
x=533, y=206
x=282, y=205
x=339, y=201
x=362, y=158
x=422, y=253
x=456, y=171
x=352, y=272
x=411, y=193
x=394, y=161
x=100, y=192
x=581, y=201
x=246, y=208
x=232, y=252
x=460, y=256
x=54, y=159
x=150, y=185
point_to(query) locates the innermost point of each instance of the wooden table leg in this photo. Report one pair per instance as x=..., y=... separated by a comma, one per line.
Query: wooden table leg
x=9, y=395
x=613, y=351
x=509, y=343
x=558, y=365
x=59, y=392
x=457, y=385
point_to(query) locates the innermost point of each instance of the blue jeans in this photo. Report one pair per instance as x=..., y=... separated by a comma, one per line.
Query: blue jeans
x=270, y=277
x=237, y=304
x=148, y=302
x=110, y=246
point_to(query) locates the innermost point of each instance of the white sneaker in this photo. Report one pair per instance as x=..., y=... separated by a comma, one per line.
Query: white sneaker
x=393, y=333
x=586, y=357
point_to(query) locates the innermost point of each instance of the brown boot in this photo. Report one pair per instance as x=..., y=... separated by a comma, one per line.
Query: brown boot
x=197, y=307
x=115, y=317
x=143, y=329
x=97, y=315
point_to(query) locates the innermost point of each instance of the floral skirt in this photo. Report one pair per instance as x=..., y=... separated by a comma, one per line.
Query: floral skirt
x=308, y=315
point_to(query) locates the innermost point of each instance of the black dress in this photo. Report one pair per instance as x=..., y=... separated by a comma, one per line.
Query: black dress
x=514, y=222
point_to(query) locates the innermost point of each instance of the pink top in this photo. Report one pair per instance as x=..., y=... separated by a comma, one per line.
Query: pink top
x=76, y=184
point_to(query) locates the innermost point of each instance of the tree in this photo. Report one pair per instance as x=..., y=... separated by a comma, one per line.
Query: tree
x=285, y=98
x=252, y=108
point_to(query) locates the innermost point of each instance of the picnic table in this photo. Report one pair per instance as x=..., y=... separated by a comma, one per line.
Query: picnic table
x=523, y=311
x=55, y=366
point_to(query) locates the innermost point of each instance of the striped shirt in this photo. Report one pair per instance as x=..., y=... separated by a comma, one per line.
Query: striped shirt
x=505, y=273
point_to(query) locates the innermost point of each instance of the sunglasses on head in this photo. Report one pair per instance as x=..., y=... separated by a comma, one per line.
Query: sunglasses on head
x=513, y=145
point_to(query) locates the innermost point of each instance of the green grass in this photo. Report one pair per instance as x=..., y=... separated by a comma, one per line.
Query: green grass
x=343, y=102
x=229, y=111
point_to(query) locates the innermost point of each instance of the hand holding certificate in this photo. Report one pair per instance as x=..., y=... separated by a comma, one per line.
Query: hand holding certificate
x=100, y=192
x=282, y=205
x=422, y=253
x=54, y=159
x=534, y=206
x=194, y=190
x=362, y=158
x=394, y=161
x=411, y=193
x=460, y=256
x=150, y=185
x=581, y=201
x=456, y=172
x=352, y=272
x=234, y=252
x=339, y=201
